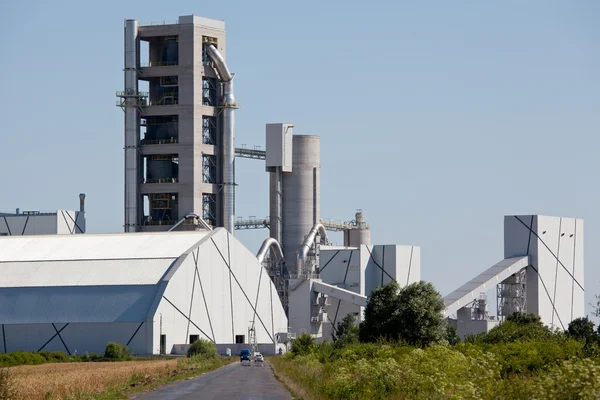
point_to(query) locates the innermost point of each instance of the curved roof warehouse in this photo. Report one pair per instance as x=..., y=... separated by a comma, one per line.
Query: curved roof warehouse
x=150, y=291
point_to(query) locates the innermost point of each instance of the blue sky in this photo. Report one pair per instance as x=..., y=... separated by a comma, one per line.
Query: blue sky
x=436, y=118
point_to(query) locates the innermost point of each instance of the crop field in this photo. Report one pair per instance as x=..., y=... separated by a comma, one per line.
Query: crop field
x=72, y=379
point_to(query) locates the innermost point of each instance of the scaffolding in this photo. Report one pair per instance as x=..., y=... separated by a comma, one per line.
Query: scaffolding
x=512, y=294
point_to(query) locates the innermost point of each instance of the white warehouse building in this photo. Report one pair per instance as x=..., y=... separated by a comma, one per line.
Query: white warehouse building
x=154, y=292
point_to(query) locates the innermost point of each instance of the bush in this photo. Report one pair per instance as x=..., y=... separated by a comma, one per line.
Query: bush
x=573, y=379
x=202, y=348
x=116, y=351
x=303, y=345
x=581, y=328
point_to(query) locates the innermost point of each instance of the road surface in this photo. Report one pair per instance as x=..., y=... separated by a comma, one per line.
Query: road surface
x=232, y=381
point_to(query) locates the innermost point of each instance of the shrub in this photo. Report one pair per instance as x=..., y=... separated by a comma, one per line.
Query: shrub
x=451, y=335
x=304, y=344
x=581, y=328
x=116, y=351
x=573, y=379
x=202, y=348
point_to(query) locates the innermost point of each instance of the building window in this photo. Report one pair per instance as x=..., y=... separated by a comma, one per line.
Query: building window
x=194, y=338
x=209, y=130
x=209, y=169
x=240, y=338
x=209, y=208
x=209, y=92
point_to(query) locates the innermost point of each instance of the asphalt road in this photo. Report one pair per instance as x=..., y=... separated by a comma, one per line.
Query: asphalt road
x=233, y=381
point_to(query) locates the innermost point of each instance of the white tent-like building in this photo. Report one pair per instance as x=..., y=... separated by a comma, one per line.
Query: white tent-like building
x=149, y=291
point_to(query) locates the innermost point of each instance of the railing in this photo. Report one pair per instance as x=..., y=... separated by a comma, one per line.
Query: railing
x=163, y=22
x=168, y=63
x=252, y=223
x=250, y=153
x=160, y=141
x=161, y=180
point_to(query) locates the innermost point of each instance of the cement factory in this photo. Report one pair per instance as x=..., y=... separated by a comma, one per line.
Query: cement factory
x=178, y=273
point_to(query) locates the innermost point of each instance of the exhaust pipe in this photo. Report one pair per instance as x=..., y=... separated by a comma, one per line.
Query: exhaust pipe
x=310, y=238
x=267, y=244
x=229, y=105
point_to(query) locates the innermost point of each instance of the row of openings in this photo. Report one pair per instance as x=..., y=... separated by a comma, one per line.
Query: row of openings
x=165, y=130
x=163, y=51
x=164, y=90
x=163, y=208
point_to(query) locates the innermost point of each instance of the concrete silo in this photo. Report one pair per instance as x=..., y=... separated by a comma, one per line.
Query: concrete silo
x=294, y=163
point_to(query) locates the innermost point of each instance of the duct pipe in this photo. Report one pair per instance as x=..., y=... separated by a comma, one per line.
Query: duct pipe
x=267, y=244
x=131, y=126
x=310, y=238
x=228, y=104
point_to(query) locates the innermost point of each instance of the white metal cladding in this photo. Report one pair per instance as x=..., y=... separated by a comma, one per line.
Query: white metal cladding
x=98, y=247
x=218, y=292
x=76, y=304
x=83, y=273
x=483, y=282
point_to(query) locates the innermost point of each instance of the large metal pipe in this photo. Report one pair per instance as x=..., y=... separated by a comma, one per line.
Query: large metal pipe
x=268, y=244
x=131, y=126
x=306, y=245
x=228, y=125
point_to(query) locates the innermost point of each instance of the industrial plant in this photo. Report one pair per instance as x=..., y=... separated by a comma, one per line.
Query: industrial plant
x=178, y=273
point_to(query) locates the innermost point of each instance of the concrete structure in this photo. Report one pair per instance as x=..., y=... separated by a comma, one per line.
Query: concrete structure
x=179, y=151
x=294, y=166
x=362, y=269
x=44, y=223
x=542, y=273
x=150, y=291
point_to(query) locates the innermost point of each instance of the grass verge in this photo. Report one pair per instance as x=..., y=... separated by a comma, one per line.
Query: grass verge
x=285, y=374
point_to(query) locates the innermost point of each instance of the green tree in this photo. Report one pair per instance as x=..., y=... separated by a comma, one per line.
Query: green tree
x=202, y=348
x=303, y=345
x=381, y=314
x=420, y=316
x=346, y=332
x=412, y=314
x=451, y=335
x=581, y=328
x=521, y=318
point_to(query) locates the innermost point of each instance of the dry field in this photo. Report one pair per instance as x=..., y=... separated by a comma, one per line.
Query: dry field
x=69, y=379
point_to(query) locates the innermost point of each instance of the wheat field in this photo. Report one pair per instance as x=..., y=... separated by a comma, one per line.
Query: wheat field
x=56, y=381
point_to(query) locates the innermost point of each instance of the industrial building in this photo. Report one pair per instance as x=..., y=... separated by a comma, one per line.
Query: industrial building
x=157, y=291
x=542, y=273
x=154, y=292
x=44, y=223
x=179, y=124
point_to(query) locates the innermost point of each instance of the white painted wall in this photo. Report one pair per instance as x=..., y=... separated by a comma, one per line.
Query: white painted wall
x=555, y=248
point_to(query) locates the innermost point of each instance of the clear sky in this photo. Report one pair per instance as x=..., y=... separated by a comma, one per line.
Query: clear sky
x=436, y=118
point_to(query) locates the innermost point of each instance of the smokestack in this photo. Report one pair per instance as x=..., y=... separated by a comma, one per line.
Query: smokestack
x=82, y=202
x=80, y=216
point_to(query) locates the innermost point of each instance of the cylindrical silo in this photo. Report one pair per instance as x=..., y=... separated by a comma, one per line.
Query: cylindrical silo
x=301, y=194
x=356, y=237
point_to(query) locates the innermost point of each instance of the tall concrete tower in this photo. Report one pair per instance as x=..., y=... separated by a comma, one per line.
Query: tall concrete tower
x=179, y=132
x=294, y=166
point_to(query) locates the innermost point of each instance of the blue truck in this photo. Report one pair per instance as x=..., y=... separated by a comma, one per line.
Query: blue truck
x=245, y=355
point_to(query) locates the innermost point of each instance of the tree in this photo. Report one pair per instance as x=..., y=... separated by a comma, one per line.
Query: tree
x=420, y=314
x=581, y=328
x=521, y=318
x=451, y=335
x=381, y=314
x=412, y=314
x=346, y=332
